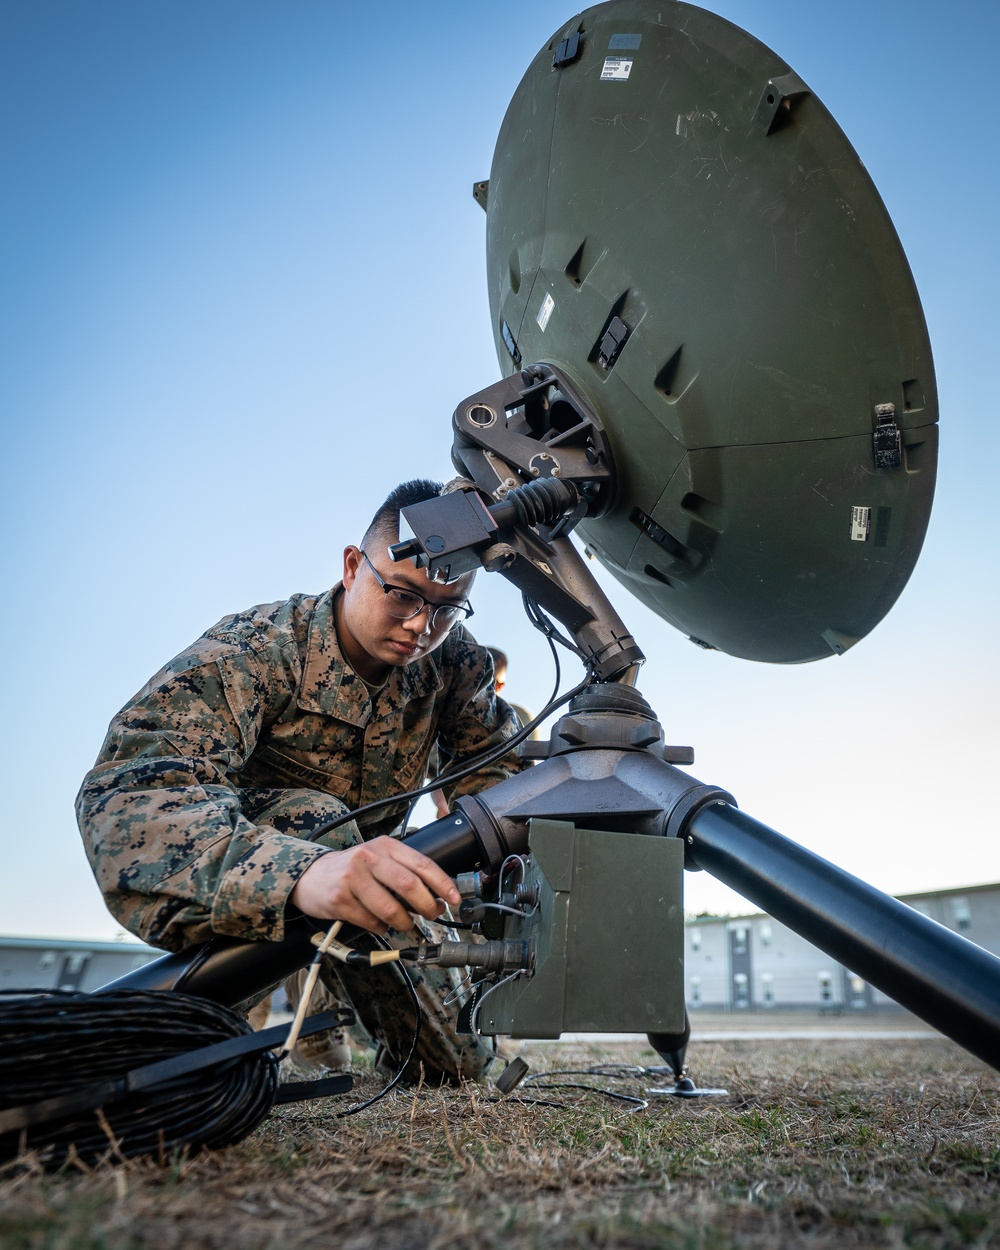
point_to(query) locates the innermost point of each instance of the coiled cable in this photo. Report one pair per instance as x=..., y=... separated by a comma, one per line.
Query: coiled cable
x=133, y=1072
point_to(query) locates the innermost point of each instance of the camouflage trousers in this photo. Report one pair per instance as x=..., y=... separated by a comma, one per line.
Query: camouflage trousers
x=380, y=996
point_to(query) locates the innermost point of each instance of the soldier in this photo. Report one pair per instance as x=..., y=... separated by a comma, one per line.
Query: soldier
x=441, y=805
x=199, y=813
x=500, y=680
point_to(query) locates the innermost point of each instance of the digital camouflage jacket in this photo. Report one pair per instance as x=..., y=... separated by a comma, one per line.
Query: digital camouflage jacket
x=264, y=702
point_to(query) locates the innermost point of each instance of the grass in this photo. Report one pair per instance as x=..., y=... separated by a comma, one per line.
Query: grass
x=819, y=1144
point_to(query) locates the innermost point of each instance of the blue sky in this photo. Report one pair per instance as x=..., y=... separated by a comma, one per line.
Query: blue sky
x=242, y=289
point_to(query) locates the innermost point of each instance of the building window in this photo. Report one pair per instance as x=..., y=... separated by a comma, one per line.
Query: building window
x=48, y=960
x=764, y=933
x=696, y=991
x=740, y=941
x=741, y=989
x=825, y=987
x=767, y=989
x=859, y=991
x=961, y=914
x=696, y=939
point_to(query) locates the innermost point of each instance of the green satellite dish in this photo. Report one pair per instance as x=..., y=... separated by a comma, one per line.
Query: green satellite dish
x=676, y=222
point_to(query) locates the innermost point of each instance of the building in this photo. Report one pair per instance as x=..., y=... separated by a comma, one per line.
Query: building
x=61, y=964
x=731, y=963
x=753, y=963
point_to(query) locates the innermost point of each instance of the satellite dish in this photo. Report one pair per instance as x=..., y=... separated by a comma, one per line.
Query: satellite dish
x=676, y=222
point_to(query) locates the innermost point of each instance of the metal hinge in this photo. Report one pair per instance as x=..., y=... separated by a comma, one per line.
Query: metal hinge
x=886, y=439
x=567, y=51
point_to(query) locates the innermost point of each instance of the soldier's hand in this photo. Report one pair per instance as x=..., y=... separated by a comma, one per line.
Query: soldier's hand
x=372, y=885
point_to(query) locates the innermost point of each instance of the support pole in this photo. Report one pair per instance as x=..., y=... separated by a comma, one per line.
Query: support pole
x=930, y=970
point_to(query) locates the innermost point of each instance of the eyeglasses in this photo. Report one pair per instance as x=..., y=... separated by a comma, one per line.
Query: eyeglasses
x=406, y=604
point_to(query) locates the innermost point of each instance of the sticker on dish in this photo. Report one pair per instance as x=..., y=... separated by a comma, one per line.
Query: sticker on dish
x=616, y=69
x=545, y=312
x=624, y=43
x=861, y=521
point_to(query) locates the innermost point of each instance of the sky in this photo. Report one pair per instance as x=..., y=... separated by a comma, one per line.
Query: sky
x=242, y=290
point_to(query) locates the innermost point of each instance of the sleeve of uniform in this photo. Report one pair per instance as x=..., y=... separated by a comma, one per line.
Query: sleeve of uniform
x=474, y=718
x=173, y=854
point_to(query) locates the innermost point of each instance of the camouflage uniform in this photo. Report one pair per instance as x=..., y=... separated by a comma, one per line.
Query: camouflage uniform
x=197, y=814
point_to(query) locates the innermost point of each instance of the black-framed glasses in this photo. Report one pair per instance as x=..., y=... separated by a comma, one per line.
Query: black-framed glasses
x=405, y=604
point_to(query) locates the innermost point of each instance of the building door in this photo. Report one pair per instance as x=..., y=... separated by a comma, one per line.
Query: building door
x=73, y=967
x=857, y=992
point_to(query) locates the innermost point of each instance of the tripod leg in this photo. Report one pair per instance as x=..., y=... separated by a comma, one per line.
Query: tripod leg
x=671, y=1047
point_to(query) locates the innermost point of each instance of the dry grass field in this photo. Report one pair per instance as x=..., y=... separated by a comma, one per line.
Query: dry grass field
x=819, y=1143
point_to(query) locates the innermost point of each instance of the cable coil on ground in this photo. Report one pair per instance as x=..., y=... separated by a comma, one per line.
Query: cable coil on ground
x=128, y=1073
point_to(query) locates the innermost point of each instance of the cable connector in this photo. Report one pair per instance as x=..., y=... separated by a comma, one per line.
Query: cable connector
x=471, y=884
x=359, y=959
x=498, y=956
x=475, y=910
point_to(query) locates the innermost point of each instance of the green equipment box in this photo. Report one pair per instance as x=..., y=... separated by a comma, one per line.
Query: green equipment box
x=608, y=934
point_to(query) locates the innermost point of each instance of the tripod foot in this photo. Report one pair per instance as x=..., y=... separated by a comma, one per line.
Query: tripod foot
x=683, y=1088
x=672, y=1047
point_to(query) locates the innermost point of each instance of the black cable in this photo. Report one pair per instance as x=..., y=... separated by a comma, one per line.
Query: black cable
x=544, y=623
x=479, y=761
x=203, y=953
x=363, y=1106
x=530, y=606
x=530, y=1102
x=130, y=1072
x=640, y=1104
x=612, y=1071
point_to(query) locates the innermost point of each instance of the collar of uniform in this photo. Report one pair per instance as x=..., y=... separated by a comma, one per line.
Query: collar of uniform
x=329, y=684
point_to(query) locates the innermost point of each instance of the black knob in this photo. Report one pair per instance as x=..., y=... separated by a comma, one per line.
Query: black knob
x=409, y=549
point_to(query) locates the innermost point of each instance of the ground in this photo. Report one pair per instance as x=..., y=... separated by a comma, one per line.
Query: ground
x=819, y=1143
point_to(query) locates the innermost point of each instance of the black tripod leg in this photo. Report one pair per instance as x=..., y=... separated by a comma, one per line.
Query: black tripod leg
x=671, y=1046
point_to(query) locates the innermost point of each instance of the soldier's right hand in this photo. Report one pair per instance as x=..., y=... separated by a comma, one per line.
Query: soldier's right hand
x=372, y=885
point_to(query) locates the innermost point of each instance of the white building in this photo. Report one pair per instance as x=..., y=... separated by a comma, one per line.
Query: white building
x=61, y=964
x=753, y=963
x=731, y=963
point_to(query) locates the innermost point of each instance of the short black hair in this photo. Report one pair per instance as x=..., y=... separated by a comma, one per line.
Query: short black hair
x=499, y=660
x=384, y=525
